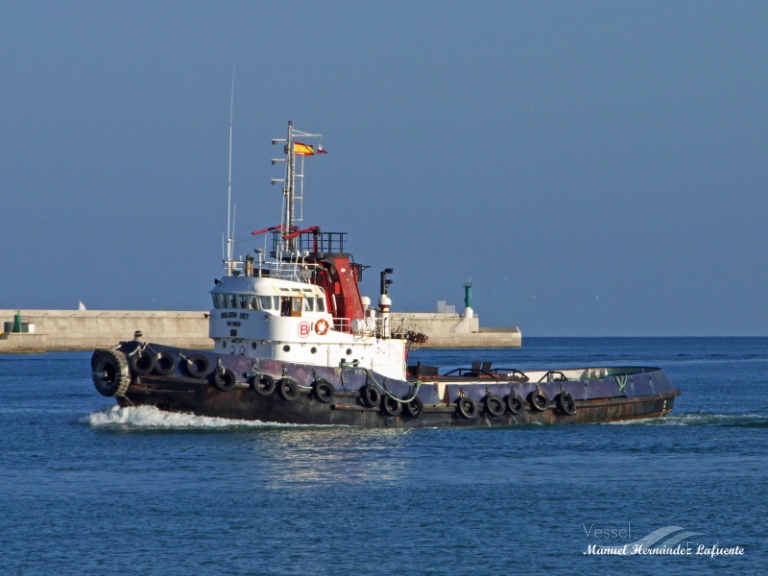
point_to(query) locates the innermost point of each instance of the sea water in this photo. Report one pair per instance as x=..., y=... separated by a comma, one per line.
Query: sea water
x=89, y=488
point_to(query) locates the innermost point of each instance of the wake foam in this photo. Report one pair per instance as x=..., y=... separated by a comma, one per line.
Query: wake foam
x=701, y=419
x=150, y=418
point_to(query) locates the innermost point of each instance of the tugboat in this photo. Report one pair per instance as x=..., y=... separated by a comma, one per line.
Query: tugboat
x=295, y=342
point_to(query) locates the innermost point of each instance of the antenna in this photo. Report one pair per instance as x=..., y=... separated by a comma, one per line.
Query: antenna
x=230, y=223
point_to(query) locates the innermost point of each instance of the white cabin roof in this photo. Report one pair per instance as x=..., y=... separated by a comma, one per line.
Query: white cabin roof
x=265, y=286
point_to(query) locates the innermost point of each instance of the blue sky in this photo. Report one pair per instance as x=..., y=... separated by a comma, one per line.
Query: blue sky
x=596, y=168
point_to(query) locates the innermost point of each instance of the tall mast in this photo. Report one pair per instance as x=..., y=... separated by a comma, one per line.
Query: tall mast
x=290, y=188
x=290, y=197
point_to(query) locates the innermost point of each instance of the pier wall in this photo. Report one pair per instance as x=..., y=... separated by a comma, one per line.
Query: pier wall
x=63, y=330
x=451, y=330
x=89, y=329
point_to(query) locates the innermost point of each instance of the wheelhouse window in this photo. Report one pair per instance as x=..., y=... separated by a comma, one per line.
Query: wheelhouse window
x=241, y=301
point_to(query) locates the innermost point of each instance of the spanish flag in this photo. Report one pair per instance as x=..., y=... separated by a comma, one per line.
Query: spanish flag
x=303, y=149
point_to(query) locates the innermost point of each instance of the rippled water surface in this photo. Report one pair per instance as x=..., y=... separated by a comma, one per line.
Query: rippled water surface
x=89, y=488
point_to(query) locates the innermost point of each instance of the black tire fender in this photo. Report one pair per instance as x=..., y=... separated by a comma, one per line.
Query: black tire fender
x=164, y=363
x=197, y=366
x=494, y=405
x=323, y=391
x=466, y=407
x=224, y=380
x=539, y=400
x=288, y=389
x=142, y=363
x=414, y=408
x=263, y=384
x=109, y=371
x=370, y=396
x=514, y=403
x=566, y=404
x=390, y=406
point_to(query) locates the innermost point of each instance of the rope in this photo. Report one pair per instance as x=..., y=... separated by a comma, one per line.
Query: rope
x=256, y=374
x=384, y=390
x=140, y=348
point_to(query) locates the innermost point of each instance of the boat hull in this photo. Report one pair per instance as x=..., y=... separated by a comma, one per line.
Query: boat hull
x=238, y=387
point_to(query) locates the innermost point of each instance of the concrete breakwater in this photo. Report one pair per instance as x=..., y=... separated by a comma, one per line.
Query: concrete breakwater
x=66, y=330
x=451, y=330
x=51, y=330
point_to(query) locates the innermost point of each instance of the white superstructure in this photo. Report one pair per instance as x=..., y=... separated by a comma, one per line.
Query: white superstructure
x=303, y=306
